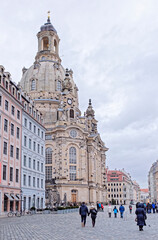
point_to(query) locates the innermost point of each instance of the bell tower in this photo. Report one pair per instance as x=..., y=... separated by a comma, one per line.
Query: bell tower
x=48, y=43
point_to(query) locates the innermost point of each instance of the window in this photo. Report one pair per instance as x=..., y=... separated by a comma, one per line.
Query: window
x=45, y=43
x=11, y=151
x=38, y=182
x=25, y=141
x=12, y=129
x=17, y=175
x=4, y=172
x=29, y=181
x=17, y=153
x=34, y=184
x=30, y=143
x=0, y=100
x=24, y=161
x=42, y=134
x=38, y=148
x=34, y=164
x=41, y=167
x=38, y=132
x=49, y=156
x=25, y=122
x=17, y=132
x=24, y=179
x=38, y=164
x=13, y=110
x=30, y=126
x=72, y=173
x=29, y=162
x=33, y=85
x=6, y=85
x=5, y=148
x=5, y=125
x=59, y=85
x=42, y=150
x=6, y=105
x=34, y=129
x=73, y=133
x=34, y=146
x=11, y=174
x=48, y=172
x=41, y=183
x=72, y=155
x=71, y=113
x=18, y=114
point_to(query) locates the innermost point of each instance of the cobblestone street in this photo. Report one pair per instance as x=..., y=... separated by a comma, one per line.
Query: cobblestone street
x=67, y=227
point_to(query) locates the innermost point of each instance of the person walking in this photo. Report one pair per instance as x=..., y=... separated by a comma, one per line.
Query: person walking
x=83, y=211
x=130, y=208
x=141, y=216
x=102, y=207
x=122, y=209
x=93, y=213
x=115, y=212
x=109, y=210
x=153, y=207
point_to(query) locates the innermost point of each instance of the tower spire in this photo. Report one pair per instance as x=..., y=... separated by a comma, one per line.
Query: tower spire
x=48, y=19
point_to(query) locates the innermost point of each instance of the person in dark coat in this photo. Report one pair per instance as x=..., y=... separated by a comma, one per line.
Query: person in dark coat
x=83, y=211
x=141, y=216
x=153, y=207
x=122, y=209
x=93, y=213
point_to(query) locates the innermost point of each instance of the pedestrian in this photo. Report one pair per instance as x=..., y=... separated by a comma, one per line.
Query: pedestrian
x=109, y=210
x=115, y=212
x=130, y=208
x=157, y=207
x=153, y=207
x=102, y=207
x=93, y=213
x=97, y=206
x=149, y=207
x=122, y=209
x=141, y=216
x=83, y=211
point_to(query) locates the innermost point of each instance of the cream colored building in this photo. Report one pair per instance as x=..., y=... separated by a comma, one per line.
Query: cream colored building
x=75, y=153
x=153, y=182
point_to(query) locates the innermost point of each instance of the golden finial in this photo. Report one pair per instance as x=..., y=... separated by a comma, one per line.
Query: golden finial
x=49, y=14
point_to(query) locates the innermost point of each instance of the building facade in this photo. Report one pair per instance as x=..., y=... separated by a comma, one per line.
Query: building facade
x=10, y=143
x=153, y=182
x=120, y=188
x=33, y=157
x=144, y=195
x=75, y=153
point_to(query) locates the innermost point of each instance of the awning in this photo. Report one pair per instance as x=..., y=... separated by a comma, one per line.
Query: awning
x=17, y=199
x=18, y=196
x=8, y=196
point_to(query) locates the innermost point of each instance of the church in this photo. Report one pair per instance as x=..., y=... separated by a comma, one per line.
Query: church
x=75, y=153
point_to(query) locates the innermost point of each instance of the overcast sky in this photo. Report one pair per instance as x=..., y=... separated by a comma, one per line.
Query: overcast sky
x=112, y=48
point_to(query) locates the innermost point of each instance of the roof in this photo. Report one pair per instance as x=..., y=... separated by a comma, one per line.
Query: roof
x=146, y=190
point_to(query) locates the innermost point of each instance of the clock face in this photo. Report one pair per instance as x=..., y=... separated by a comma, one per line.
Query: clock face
x=69, y=101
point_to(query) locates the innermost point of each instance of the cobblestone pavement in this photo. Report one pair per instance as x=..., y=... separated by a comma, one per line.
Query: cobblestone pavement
x=68, y=227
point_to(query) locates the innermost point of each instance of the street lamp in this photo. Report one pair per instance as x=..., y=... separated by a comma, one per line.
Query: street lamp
x=21, y=192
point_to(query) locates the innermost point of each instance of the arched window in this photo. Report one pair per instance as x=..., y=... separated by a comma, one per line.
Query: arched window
x=49, y=155
x=71, y=113
x=72, y=155
x=58, y=85
x=45, y=43
x=55, y=46
x=33, y=85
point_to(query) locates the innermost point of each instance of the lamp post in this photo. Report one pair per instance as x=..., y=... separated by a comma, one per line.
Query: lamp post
x=21, y=192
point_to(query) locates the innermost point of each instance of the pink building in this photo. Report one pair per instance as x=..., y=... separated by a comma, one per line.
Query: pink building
x=10, y=143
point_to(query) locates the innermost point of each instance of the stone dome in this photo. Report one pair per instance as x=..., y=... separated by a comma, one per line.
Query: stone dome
x=48, y=27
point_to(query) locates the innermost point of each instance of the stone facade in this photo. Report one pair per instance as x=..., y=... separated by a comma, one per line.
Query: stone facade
x=75, y=153
x=153, y=182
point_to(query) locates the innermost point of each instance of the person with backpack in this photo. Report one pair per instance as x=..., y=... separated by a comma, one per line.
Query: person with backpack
x=83, y=211
x=122, y=209
x=115, y=212
x=130, y=208
x=93, y=213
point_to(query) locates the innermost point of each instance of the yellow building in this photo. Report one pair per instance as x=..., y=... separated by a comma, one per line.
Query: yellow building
x=75, y=153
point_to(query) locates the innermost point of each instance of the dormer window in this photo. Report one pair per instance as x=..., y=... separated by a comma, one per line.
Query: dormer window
x=33, y=85
x=6, y=85
x=55, y=46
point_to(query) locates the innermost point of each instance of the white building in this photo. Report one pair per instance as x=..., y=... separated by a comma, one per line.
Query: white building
x=33, y=159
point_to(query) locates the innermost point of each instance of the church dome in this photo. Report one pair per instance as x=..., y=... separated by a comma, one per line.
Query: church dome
x=48, y=27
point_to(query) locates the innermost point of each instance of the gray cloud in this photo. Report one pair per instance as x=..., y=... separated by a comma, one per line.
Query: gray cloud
x=112, y=48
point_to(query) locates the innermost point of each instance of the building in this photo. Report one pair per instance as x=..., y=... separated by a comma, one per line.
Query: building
x=33, y=157
x=153, y=182
x=120, y=187
x=144, y=195
x=75, y=153
x=10, y=143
